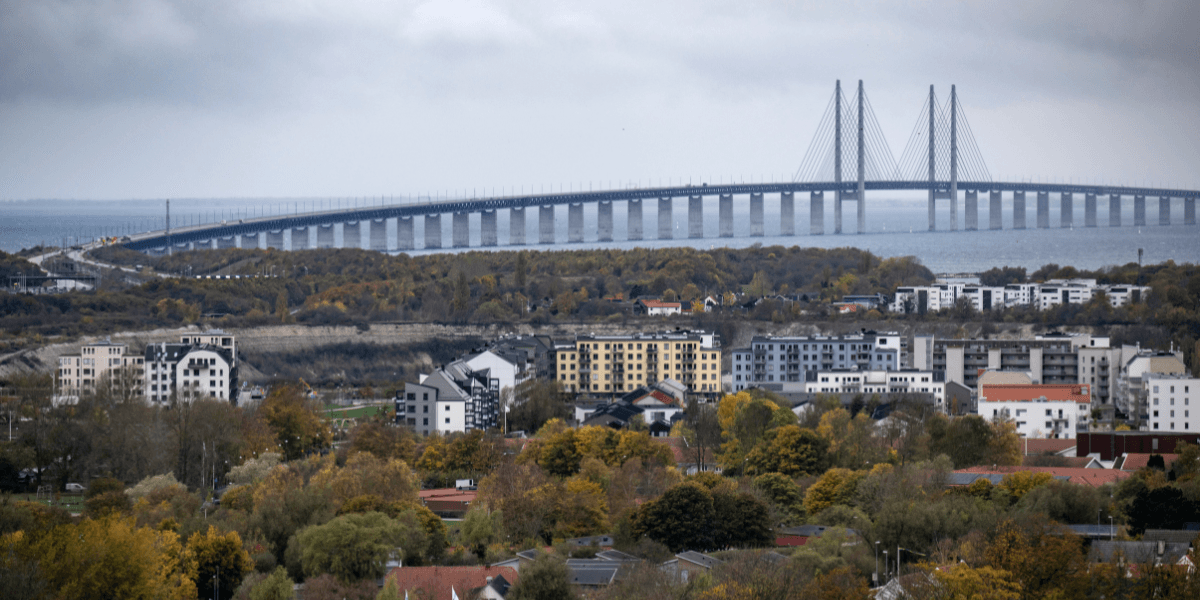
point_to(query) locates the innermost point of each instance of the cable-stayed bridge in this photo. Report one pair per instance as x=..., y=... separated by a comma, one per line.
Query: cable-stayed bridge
x=847, y=158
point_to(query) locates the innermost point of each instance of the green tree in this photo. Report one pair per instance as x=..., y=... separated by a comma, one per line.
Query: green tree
x=480, y=528
x=297, y=423
x=789, y=450
x=681, y=519
x=836, y=486
x=783, y=492
x=546, y=578
x=354, y=547
x=277, y=586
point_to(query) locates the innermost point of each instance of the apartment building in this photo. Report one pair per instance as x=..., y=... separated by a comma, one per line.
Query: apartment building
x=99, y=364
x=932, y=383
x=1172, y=399
x=188, y=372
x=771, y=359
x=1038, y=411
x=615, y=364
x=1042, y=296
x=1133, y=381
x=454, y=398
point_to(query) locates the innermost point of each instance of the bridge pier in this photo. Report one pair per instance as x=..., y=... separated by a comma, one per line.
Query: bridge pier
x=756, y=215
x=725, y=213
x=665, y=223
x=352, y=235
x=1139, y=211
x=275, y=239
x=816, y=213
x=995, y=212
x=574, y=223
x=837, y=211
x=379, y=235
x=971, y=219
x=516, y=226
x=227, y=242
x=1089, y=210
x=487, y=228
x=325, y=236
x=184, y=247
x=787, y=213
x=546, y=224
x=433, y=231
x=695, y=217
x=1018, y=210
x=249, y=240
x=1066, y=215
x=299, y=238
x=604, y=221
x=460, y=229
x=1189, y=211
x=633, y=210
x=405, y=240
x=1043, y=210
x=953, y=207
x=1114, y=210
x=1164, y=210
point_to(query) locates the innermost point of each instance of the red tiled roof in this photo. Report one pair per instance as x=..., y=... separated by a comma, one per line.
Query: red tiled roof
x=1073, y=392
x=791, y=540
x=660, y=304
x=437, y=581
x=1092, y=477
x=1034, y=446
x=1076, y=462
x=1136, y=461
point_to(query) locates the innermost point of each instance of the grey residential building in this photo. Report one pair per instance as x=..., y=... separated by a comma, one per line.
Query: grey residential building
x=771, y=359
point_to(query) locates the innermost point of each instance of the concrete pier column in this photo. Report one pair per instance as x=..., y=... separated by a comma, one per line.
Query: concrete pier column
x=379, y=235
x=1189, y=211
x=1018, y=210
x=636, y=223
x=325, y=236
x=756, y=215
x=1114, y=210
x=352, y=235
x=1089, y=210
x=1164, y=210
x=249, y=240
x=433, y=231
x=695, y=217
x=1043, y=208
x=837, y=211
x=787, y=213
x=816, y=213
x=725, y=216
x=299, y=238
x=405, y=239
x=184, y=247
x=1139, y=210
x=227, y=242
x=275, y=239
x=546, y=224
x=574, y=223
x=460, y=229
x=516, y=226
x=1066, y=215
x=995, y=210
x=487, y=228
x=604, y=221
x=972, y=210
x=953, y=197
x=666, y=224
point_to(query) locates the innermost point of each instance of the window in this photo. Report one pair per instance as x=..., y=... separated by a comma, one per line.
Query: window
x=425, y=421
x=447, y=420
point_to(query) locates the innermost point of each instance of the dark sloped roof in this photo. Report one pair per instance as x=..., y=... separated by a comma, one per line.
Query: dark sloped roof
x=617, y=556
x=703, y=560
x=1138, y=552
x=1179, y=536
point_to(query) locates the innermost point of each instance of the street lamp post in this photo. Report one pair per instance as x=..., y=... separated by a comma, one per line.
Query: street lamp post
x=885, y=564
x=875, y=575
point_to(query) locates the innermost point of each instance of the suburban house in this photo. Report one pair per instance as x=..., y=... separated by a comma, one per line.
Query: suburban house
x=658, y=307
x=444, y=583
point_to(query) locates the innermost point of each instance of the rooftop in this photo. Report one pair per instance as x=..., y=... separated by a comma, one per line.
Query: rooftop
x=443, y=583
x=1080, y=393
x=1092, y=477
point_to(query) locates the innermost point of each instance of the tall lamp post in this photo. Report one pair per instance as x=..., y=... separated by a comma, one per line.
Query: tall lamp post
x=875, y=576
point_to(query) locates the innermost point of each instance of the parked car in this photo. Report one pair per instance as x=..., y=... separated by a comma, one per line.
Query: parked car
x=75, y=488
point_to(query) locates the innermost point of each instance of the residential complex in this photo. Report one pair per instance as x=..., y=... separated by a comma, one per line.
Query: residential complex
x=1042, y=296
x=1172, y=400
x=99, y=364
x=615, y=364
x=771, y=359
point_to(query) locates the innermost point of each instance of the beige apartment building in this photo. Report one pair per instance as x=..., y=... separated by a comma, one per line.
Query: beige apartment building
x=615, y=364
x=99, y=363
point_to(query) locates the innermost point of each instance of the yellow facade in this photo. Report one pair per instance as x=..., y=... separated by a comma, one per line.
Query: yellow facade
x=614, y=364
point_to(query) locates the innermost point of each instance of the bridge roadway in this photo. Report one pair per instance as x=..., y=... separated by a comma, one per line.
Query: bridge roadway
x=226, y=234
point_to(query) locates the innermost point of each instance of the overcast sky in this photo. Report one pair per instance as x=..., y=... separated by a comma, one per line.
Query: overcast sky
x=111, y=99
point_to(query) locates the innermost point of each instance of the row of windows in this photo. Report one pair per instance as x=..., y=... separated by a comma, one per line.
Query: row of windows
x=1185, y=389
x=631, y=346
x=1185, y=401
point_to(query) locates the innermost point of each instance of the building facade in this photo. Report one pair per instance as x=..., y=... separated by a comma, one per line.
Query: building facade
x=1038, y=411
x=1041, y=296
x=1172, y=400
x=455, y=398
x=771, y=359
x=868, y=383
x=99, y=365
x=615, y=364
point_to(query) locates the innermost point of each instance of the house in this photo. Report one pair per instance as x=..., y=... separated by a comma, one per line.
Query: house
x=448, y=502
x=1135, y=461
x=444, y=583
x=1157, y=553
x=687, y=565
x=614, y=414
x=1092, y=477
x=657, y=308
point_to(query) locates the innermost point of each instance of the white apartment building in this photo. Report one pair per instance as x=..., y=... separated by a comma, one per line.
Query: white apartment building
x=878, y=382
x=1038, y=411
x=202, y=365
x=1172, y=399
x=1043, y=296
x=100, y=363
